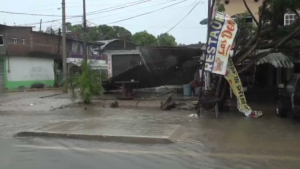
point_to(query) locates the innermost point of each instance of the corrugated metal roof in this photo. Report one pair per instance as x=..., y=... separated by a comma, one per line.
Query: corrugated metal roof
x=165, y=57
x=279, y=60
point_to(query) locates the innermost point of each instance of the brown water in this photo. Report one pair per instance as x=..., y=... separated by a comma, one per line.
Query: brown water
x=232, y=141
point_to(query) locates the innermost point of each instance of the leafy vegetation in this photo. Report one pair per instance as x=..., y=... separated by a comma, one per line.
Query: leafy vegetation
x=144, y=38
x=166, y=39
x=105, y=32
x=86, y=84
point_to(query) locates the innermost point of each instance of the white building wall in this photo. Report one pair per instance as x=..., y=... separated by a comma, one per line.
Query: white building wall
x=29, y=69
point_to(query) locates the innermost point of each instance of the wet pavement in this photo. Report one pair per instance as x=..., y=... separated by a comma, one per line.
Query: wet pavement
x=231, y=141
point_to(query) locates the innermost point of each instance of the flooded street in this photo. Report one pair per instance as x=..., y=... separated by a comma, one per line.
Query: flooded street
x=232, y=141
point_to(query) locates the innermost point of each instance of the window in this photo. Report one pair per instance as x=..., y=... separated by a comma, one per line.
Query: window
x=249, y=19
x=74, y=47
x=1, y=40
x=23, y=41
x=289, y=19
x=15, y=40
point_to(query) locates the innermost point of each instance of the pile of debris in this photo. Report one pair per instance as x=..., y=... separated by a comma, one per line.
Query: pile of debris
x=169, y=104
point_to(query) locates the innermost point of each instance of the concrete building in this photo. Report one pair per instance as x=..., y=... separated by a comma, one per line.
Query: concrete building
x=237, y=7
x=27, y=57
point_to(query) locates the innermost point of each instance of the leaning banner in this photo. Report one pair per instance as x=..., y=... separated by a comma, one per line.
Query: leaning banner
x=235, y=83
x=222, y=33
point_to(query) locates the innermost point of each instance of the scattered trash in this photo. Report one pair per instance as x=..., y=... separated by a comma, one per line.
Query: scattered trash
x=193, y=115
x=168, y=103
x=185, y=106
x=114, y=104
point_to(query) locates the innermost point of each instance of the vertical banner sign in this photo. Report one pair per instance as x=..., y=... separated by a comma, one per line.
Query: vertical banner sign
x=235, y=83
x=221, y=36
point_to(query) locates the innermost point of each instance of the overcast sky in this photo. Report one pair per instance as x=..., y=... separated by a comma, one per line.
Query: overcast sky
x=187, y=32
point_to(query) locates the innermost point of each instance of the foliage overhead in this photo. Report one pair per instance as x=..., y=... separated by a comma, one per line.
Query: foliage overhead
x=144, y=38
x=101, y=32
x=166, y=39
x=220, y=6
x=269, y=33
x=105, y=32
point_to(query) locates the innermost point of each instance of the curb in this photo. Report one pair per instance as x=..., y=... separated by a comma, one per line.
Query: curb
x=108, y=138
x=133, y=103
x=32, y=90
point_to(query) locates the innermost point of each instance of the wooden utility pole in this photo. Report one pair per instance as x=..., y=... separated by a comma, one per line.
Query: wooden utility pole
x=210, y=5
x=40, y=25
x=64, y=48
x=84, y=32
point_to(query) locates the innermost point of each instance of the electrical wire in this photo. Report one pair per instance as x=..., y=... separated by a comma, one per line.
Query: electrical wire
x=146, y=13
x=102, y=10
x=131, y=10
x=31, y=14
x=117, y=7
x=184, y=17
x=88, y=14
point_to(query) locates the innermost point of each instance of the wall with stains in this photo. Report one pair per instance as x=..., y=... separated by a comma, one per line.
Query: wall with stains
x=23, y=72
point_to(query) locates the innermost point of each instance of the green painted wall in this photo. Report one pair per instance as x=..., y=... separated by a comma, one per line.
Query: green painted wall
x=10, y=85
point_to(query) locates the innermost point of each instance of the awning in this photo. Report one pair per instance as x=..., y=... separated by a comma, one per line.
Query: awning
x=279, y=60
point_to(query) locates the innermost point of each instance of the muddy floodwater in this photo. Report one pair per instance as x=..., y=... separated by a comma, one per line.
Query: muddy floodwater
x=231, y=141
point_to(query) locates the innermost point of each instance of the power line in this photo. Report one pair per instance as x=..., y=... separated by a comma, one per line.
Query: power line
x=31, y=14
x=147, y=13
x=118, y=7
x=120, y=13
x=26, y=13
x=99, y=11
x=130, y=11
x=183, y=17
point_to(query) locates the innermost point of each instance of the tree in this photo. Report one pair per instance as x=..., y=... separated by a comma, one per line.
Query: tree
x=166, y=39
x=101, y=32
x=144, y=38
x=270, y=34
x=220, y=6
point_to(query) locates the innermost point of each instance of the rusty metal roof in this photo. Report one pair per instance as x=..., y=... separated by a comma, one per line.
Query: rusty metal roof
x=279, y=60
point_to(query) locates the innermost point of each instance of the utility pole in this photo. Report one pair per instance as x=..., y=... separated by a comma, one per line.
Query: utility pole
x=209, y=11
x=204, y=75
x=41, y=25
x=84, y=32
x=64, y=54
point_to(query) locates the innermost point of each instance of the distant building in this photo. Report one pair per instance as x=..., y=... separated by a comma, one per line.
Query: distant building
x=237, y=7
x=27, y=57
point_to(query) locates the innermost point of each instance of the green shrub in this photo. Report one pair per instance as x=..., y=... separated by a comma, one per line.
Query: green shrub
x=85, y=85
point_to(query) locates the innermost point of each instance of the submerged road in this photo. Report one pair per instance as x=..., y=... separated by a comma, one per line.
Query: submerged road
x=38, y=153
x=230, y=142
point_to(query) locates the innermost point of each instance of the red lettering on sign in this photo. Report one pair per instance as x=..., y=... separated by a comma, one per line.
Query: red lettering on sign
x=226, y=34
x=223, y=46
